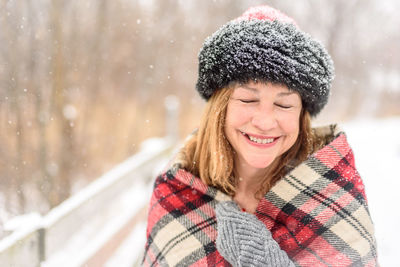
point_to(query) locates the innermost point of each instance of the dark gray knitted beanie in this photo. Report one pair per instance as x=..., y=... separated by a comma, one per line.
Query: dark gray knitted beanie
x=266, y=45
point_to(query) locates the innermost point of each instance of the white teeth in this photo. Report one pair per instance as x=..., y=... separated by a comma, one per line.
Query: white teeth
x=261, y=141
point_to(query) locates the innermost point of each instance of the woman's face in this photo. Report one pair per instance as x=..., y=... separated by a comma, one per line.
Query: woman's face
x=262, y=122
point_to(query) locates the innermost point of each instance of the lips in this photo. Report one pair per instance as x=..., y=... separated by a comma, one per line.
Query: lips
x=258, y=139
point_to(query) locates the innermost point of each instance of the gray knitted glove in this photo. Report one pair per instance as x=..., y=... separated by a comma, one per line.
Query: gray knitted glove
x=243, y=240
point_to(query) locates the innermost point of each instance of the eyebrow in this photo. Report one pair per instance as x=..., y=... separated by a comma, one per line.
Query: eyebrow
x=249, y=88
x=281, y=94
x=286, y=93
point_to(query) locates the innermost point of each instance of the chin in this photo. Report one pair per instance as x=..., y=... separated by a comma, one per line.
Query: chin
x=260, y=163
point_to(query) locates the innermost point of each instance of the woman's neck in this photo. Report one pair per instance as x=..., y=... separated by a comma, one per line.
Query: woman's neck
x=249, y=179
x=247, y=185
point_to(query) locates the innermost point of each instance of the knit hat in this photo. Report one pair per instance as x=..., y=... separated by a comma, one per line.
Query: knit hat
x=266, y=45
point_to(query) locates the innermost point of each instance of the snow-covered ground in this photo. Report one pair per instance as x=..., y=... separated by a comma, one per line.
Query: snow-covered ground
x=376, y=145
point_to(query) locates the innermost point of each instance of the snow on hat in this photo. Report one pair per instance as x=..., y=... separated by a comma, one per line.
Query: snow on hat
x=266, y=45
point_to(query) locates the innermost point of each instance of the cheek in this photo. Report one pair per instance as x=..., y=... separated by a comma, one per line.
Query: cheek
x=236, y=116
x=291, y=126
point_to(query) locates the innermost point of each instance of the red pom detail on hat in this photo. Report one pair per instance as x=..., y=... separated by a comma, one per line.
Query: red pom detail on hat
x=266, y=13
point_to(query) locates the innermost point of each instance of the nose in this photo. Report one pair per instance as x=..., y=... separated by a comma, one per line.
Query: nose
x=264, y=119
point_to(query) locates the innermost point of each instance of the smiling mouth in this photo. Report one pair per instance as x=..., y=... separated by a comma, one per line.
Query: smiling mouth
x=259, y=140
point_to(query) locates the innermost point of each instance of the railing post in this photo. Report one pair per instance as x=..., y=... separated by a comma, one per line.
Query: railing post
x=171, y=104
x=42, y=244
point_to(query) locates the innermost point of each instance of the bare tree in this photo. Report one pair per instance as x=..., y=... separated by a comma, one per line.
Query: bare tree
x=13, y=90
x=59, y=189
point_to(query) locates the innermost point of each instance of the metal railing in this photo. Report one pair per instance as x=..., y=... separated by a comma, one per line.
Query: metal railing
x=89, y=227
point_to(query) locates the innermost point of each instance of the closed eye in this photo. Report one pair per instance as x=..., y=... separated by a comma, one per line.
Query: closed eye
x=283, y=106
x=247, y=100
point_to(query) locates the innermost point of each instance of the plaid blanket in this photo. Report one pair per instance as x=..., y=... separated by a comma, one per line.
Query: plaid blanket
x=317, y=213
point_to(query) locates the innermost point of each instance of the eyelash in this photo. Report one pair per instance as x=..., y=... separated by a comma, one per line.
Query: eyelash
x=247, y=101
x=282, y=106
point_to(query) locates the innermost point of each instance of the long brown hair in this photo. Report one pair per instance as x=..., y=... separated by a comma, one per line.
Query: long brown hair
x=208, y=154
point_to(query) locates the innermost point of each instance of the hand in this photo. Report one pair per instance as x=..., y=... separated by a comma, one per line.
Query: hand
x=243, y=240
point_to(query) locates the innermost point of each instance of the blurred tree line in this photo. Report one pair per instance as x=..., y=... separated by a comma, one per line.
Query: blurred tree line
x=82, y=83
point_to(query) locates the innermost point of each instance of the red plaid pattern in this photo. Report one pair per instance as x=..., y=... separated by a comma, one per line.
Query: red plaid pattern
x=317, y=213
x=181, y=229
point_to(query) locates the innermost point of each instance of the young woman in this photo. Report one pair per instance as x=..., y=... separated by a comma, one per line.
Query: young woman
x=255, y=185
